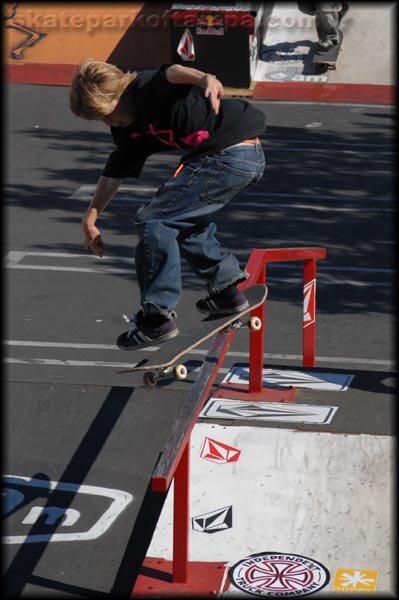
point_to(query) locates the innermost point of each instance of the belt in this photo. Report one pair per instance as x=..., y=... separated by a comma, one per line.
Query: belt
x=253, y=142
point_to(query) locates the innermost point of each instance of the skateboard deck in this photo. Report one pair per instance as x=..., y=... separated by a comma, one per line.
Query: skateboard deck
x=330, y=58
x=164, y=360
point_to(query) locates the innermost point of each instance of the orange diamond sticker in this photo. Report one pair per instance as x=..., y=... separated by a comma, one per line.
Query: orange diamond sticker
x=355, y=580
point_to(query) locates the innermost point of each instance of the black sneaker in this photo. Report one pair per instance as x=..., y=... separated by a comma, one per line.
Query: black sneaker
x=227, y=302
x=147, y=330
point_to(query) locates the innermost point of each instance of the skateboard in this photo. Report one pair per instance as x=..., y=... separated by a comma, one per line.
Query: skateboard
x=167, y=357
x=329, y=59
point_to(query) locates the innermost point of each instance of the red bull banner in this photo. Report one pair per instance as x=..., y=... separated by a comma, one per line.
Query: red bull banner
x=212, y=21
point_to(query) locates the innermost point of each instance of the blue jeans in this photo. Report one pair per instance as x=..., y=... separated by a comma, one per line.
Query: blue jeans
x=176, y=223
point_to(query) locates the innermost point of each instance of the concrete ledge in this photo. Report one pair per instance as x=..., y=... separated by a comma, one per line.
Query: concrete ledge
x=39, y=74
x=328, y=92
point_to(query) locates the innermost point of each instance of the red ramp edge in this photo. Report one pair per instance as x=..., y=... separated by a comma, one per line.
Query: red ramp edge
x=325, y=92
x=39, y=74
x=205, y=579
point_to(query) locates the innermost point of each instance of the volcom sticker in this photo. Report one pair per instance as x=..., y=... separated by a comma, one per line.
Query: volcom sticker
x=219, y=452
x=217, y=520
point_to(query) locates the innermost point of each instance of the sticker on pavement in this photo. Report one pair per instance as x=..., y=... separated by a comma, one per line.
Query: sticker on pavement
x=218, y=452
x=279, y=575
x=215, y=521
x=355, y=580
x=38, y=510
x=268, y=411
x=314, y=380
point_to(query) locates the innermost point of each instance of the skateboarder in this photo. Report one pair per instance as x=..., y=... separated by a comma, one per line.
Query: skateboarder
x=328, y=18
x=173, y=108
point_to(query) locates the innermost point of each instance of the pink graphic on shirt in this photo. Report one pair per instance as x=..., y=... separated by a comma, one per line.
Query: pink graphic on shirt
x=166, y=136
x=196, y=138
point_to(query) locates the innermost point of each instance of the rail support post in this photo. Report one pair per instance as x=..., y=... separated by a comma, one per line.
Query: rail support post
x=309, y=313
x=181, y=517
x=181, y=577
x=257, y=270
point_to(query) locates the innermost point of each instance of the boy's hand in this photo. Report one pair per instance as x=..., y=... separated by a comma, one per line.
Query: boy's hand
x=93, y=239
x=213, y=90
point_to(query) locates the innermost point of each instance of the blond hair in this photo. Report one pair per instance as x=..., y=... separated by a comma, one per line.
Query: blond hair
x=95, y=88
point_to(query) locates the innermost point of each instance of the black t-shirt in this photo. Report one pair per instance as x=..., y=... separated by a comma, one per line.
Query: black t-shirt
x=177, y=117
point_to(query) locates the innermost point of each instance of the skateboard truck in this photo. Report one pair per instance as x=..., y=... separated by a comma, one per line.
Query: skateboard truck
x=150, y=378
x=179, y=371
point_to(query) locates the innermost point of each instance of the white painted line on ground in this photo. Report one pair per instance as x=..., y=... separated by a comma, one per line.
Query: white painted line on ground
x=16, y=255
x=13, y=258
x=63, y=345
x=382, y=107
x=197, y=351
x=316, y=207
x=320, y=281
x=327, y=150
x=51, y=362
x=311, y=196
x=86, y=191
x=317, y=142
x=68, y=363
x=68, y=269
x=339, y=268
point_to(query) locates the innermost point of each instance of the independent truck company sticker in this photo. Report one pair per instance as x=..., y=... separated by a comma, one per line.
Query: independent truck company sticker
x=279, y=575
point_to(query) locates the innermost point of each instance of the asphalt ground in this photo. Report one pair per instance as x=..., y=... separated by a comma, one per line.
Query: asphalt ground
x=70, y=416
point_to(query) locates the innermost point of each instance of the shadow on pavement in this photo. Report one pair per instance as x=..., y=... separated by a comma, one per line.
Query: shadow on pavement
x=353, y=187
x=21, y=569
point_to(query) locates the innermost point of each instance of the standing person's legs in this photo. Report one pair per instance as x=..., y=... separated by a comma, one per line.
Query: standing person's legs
x=327, y=21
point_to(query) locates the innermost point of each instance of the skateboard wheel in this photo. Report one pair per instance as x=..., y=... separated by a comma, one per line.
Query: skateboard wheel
x=255, y=324
x=180, y=372
x=150, y=379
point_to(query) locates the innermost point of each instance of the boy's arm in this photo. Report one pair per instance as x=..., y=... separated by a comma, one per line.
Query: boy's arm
x=105, y=191
x=213, y=87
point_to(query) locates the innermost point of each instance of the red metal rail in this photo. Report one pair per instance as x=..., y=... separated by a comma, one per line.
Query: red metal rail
x=257, y=269
x=174, y=462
